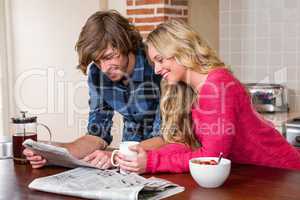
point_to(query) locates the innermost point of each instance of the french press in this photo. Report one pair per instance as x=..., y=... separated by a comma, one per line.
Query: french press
x=24, y=128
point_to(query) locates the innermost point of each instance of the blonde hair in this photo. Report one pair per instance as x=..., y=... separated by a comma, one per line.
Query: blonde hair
x=177, y=39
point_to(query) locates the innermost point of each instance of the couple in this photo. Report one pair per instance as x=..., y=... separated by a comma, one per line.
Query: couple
x=203, y=109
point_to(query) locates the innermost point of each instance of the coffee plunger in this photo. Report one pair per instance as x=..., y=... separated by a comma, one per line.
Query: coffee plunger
x=24, y=128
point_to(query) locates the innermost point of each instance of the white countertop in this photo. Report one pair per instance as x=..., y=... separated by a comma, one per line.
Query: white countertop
x=279, y=119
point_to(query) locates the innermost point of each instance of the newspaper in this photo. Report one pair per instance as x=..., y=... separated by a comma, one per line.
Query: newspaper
x=105, y=184
x=88, y=182
x=55, y=155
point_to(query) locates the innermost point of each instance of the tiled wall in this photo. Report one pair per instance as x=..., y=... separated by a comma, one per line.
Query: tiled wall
x=260, y=40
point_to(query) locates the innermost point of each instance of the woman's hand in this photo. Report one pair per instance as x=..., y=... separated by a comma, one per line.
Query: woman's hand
x=99, y=159
x=137, y=165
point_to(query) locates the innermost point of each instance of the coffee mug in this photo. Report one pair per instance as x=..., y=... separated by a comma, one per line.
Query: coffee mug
x=124, y=149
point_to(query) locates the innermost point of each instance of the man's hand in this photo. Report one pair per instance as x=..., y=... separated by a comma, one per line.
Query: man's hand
x=79, y=148
x=137, y=165
x=99, y=159
x=84, y=146
x=35, y=160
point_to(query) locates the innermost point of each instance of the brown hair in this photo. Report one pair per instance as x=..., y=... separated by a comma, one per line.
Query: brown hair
x=105, y=28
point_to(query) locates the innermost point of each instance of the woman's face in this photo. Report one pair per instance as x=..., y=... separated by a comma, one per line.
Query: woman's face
x=168, y=68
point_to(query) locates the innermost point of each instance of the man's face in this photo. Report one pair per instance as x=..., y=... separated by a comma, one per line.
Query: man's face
x=113, y=64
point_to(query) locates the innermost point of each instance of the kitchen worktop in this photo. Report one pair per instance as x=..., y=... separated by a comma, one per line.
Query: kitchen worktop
x=278, y=119
x=245, y=182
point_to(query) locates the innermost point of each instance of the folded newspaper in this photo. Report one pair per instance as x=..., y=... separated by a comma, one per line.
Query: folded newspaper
x=105, y=184
x=55, y=155
x=86, y=182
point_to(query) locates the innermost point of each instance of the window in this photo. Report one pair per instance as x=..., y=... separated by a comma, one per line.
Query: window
x=1, y=105
x=3, y=77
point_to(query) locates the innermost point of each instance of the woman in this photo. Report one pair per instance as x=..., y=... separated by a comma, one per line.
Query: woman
x=205, y=110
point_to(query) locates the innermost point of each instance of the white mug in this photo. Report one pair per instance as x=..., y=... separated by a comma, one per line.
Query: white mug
x=124, y=149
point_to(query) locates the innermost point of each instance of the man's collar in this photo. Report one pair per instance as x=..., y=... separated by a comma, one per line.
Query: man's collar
x=139, y=67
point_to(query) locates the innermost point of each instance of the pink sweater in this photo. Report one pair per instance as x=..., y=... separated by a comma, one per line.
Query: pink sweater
x=225, y=121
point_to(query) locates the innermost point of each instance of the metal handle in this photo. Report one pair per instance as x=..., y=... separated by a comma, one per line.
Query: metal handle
x=48, y=129
x=23, y=113
x=297, y=138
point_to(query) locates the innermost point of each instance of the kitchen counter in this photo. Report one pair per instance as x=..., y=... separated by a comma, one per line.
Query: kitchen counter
x=245, y=182
x=278, y=119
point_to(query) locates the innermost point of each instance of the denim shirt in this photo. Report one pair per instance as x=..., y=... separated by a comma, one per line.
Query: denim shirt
x=137, y=102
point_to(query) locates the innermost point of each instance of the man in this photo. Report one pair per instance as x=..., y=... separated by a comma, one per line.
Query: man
x=120, y=79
